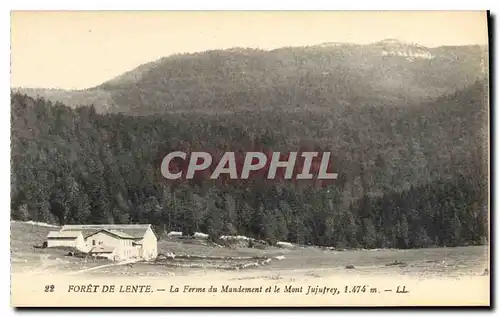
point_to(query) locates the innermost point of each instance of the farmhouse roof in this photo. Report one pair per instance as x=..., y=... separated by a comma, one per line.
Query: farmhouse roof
x=136, y=231
x=116, y=233
x=63, y=234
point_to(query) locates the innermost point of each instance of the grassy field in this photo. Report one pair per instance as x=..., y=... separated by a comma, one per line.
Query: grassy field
x=25, y=257
x=199, y=256
x=433, y=276
x=443, y=262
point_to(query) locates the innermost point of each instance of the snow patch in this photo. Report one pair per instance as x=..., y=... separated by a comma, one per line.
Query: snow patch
x=409, y=54
x=174, y=234
x=35, y=223
x=200, y=235
x=282, y=244
x=239, y=238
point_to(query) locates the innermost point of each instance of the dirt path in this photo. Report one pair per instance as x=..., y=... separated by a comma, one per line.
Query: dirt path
x=101, y=266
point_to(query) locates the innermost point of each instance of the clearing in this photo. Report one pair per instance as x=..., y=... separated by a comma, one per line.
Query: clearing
x=192, y=256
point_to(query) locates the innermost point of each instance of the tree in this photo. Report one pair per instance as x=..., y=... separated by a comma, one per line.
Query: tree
x=402, y=233
x=368, y=233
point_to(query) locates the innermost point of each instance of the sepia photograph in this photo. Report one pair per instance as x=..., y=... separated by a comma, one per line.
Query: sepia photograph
x=249, y=158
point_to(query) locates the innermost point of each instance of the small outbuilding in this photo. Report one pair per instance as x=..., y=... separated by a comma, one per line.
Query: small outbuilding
x=72, y=239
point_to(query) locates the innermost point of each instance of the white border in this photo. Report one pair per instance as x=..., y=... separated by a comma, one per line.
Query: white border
x=183, y=5
x=251, y=5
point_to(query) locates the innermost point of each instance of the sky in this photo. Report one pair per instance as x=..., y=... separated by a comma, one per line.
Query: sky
x=78, y=49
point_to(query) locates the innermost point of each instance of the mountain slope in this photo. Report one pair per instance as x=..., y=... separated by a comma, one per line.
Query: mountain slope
x=325, y=76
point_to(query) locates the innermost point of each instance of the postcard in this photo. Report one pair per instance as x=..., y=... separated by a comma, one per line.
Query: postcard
x=250, y=158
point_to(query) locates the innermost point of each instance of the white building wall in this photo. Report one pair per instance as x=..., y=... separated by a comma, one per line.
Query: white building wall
x=101, y=239
x=123, y=247
x=78, y=243
x=61, y=242
x=149, y=245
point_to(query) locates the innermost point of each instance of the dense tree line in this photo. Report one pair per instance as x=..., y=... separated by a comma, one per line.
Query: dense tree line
x=408, y=176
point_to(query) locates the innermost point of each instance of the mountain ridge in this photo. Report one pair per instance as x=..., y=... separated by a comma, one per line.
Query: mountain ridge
x=387, y=72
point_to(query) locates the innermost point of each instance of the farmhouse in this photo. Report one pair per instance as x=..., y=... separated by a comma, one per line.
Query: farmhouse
x=116, y=242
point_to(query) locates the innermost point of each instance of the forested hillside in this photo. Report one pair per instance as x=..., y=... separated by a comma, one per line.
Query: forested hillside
x=320, y=77
x=408, y=176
